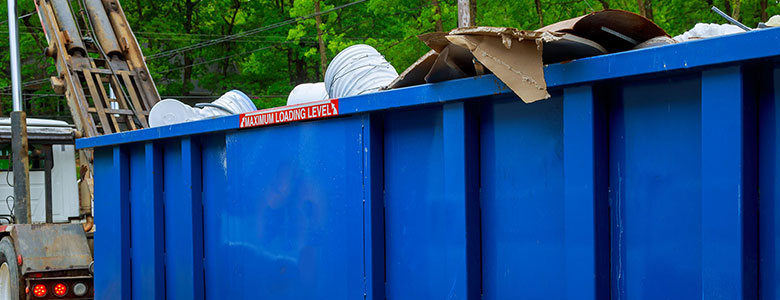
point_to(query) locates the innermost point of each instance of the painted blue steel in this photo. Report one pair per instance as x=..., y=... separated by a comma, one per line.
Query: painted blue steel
x=216, y=222
x=655, y=189
x=112, y=280
x=769, y=182
x=728, y=203
x=681, y=57
x=146, y=213
x=585, y=207
x=631, y=182
x=420, y=251
x=461, y=193
x=373, y=207
x=523, y=227
x=293, y=220
x=183, y=220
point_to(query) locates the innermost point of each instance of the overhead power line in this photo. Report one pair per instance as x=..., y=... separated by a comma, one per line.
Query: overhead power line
x=218, y=59
x=27, y=83
x=21, y=17
x=248, y=32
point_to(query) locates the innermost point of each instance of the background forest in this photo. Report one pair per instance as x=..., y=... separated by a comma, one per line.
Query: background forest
x=278, y=46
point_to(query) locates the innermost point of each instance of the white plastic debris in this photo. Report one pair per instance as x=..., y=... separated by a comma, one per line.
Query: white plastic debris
x=774, y=21
x=357, y=70
x=172, y=111
x=307, y=92
x=703, y=30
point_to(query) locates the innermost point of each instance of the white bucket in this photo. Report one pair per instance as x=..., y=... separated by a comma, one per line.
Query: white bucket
x=357, y=70
x=171, y=111
x=307, y=92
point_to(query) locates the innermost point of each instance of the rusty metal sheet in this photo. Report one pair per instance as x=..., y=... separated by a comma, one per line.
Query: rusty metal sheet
x=51, y=247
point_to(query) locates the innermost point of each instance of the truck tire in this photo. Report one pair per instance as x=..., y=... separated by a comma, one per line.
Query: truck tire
x=10, y=279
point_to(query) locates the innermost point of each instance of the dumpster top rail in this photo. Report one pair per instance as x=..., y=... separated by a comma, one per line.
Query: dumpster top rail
x=758, y=44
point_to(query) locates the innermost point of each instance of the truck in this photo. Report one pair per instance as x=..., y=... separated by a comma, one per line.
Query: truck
x=45, y=250
x=52, y=257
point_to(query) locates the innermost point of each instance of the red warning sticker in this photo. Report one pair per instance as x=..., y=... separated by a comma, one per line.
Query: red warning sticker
x=285, y=114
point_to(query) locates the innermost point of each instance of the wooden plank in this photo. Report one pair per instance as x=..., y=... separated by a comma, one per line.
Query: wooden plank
x=96, y=99
x=114, y=111
x=122, y=101
x=134, y=98
x=100, y=71
x=108, y=103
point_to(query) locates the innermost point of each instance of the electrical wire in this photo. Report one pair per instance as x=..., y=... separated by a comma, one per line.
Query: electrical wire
x=21, y=17
x=248, y=32
x=218, y=59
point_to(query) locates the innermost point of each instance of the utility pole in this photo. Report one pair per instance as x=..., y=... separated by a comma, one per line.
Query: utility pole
x=466, y=11
x=18, y=124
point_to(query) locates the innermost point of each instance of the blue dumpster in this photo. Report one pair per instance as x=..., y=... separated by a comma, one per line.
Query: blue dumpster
x=649, y=174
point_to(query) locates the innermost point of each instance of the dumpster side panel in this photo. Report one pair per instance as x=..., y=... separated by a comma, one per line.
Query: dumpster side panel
x=183, y=219
x=112, y=270
x=146, y=213
x=425, y=232
x=293, y=226
x=432, y=244
x=522, y=196
x=769, y=181
x=655, y=189
x=217, y=200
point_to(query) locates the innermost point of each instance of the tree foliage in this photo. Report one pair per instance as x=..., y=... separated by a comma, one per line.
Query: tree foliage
x=270, y=62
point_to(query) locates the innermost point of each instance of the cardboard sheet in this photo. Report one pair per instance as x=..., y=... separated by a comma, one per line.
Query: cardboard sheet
x=514, y=56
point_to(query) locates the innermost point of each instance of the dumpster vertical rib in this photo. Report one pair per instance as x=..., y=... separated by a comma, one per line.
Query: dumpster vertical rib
x=147, y=214
x=725, y=205
x=769, y=181
x=586, y=219
x=461, y=189
x=183, y=221
x=373, y=207
x=113, y=211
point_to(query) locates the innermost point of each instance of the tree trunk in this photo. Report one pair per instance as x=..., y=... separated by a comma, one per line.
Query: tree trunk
x=735, y=10
x=604, y=4
x=231, y=24
x=473, y=7
x=539, y=12
x=187, y=76
x=140, y=9
x=318, y=22
x=762, y=10
x=646, y=8
x=727, y=6
x=437, y=7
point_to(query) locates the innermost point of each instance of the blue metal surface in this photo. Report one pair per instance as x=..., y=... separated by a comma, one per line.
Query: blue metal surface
x=631, y=182
x=655, y=190
x=769, y=181
x=521, y=159
x=183, y=220
x=728, y=208
x=146, y=211
x=585, y=203
x=291, y=224
x=112, y=274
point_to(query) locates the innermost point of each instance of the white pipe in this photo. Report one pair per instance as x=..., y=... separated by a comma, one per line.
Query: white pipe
x=16, y=71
